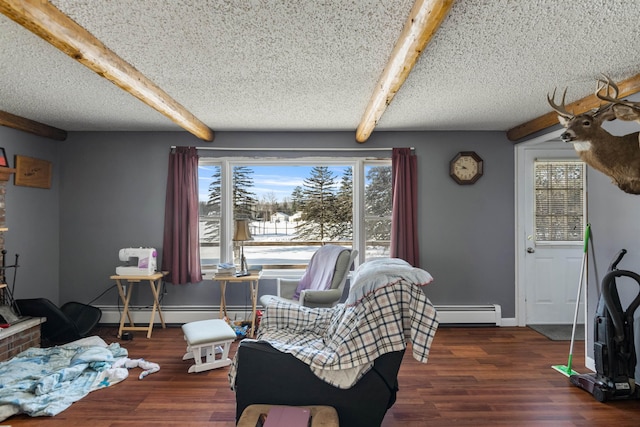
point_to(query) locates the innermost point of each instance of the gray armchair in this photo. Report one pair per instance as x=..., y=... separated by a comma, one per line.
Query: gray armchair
x=286, y=288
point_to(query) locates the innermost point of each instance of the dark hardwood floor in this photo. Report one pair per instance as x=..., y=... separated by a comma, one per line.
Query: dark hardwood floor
x=475, y=377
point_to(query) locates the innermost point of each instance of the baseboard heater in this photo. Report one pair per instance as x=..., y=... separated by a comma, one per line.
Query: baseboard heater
x=490, y=314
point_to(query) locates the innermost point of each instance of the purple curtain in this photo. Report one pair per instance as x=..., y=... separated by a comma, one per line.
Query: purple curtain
x=404, y=217
x=181, y=243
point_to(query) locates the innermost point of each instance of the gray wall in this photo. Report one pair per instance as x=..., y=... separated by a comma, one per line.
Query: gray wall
x=33, y=216
x=111, y=195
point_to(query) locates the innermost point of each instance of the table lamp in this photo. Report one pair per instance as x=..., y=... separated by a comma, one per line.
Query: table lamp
x=241, y=234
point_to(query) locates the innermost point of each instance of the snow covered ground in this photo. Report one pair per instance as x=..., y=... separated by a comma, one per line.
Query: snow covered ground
x=264, y=232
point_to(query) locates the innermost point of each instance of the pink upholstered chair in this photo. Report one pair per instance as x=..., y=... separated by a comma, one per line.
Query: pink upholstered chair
x=289, y=289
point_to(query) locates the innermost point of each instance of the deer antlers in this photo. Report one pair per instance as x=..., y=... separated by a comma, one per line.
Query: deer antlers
x=608, y=91
x=560, y=109
x=608, y=84
x=624, y=110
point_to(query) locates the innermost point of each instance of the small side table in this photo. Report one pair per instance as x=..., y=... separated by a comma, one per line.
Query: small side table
x=154, y=282
x=253, y=279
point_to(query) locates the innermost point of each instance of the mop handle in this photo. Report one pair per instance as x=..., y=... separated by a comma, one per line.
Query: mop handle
x=587, y=232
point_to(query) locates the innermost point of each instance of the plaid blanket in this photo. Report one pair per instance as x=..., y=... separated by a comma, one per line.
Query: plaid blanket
x=341, y=343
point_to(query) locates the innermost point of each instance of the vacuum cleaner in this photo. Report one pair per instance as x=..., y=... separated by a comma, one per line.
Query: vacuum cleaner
x=614, y=346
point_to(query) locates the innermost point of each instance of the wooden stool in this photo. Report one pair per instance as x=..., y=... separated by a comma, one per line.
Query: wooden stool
x=321, y=416
x=202, y=338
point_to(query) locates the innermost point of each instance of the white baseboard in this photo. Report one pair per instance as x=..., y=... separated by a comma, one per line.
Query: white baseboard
x=447, y=314
x=509, y=321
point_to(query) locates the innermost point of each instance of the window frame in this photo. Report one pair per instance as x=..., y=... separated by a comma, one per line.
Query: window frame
x=227, y=163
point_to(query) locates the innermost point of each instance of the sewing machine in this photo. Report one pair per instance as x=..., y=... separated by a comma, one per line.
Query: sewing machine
x=138, y=262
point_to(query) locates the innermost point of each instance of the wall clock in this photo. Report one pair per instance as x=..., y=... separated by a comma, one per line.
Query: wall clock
x=466, y=167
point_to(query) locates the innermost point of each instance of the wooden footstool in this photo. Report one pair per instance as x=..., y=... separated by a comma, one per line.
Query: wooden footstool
x=202, y=339
x=321, y=416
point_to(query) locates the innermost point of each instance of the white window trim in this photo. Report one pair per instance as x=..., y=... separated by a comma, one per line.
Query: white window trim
x=226, y=199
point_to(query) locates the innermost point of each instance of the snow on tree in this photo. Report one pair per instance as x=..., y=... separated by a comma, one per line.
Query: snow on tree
x=378, y=202
x=319, y=206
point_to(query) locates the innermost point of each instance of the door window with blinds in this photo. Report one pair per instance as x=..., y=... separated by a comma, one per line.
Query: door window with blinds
x=559, y=201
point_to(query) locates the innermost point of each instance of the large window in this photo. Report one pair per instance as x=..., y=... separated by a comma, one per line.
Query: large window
x=293, y=207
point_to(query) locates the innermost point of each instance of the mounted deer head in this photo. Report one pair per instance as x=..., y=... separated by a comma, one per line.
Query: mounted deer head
x=616, y=156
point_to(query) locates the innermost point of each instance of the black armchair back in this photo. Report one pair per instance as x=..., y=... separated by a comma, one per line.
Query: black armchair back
x=268, y=376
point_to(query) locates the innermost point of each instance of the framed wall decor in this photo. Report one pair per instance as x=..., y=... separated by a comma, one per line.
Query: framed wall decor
x=4, y=162
x=31, y=172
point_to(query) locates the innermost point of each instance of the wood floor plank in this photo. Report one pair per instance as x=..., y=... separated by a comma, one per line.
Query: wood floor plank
x=475, y=377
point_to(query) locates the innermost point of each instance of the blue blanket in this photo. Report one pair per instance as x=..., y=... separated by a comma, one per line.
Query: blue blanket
x=46, y=381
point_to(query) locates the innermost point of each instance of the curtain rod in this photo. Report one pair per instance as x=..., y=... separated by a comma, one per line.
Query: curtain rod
x=291, y=149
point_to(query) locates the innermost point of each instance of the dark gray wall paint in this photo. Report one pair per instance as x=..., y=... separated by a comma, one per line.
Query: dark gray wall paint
x=467, y=235
x=111, y=195
x=32, y=218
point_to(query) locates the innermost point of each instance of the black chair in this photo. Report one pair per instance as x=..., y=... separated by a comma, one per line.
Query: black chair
x=386, y=305
x=268, y=376
x=68, y=323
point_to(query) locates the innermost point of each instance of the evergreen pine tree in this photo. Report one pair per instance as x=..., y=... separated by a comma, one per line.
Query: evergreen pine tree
x=212, y=227
x=244, y=201
x=297, y=199
x=378, y=202
x=318, y=210
x=342, y=227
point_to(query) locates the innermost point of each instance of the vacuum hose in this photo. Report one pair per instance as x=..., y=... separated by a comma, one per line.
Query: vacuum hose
x=613, y=305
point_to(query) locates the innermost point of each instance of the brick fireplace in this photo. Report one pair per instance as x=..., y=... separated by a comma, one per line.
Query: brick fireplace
x=19, y=337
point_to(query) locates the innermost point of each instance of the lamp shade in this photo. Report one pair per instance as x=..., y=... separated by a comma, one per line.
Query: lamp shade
x=242, y=232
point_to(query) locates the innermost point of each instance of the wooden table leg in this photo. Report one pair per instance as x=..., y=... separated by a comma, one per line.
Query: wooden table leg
x=223, y=300
x=254, y=304
x=157, y=296
x=125, y=312
x=156, y=306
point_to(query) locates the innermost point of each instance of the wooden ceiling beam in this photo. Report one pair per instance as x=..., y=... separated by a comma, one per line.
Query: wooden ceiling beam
x=46, y=21
x=627, y=87
x=31, y=126
x=423, y=22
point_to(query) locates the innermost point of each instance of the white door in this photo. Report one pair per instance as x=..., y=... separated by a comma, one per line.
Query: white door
x=548, y=272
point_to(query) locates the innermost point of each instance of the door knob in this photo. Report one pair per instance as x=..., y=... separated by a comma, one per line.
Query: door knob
x=530, y=250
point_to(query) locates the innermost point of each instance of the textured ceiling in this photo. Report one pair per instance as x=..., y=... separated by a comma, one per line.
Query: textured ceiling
x=313, y=64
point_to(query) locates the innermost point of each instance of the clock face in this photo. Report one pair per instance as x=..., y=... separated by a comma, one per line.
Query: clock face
x=466, y=167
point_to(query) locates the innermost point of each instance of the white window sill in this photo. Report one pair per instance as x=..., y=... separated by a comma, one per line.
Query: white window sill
x=266, y=274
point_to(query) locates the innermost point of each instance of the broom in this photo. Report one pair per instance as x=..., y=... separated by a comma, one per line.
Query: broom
x=566, y=369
